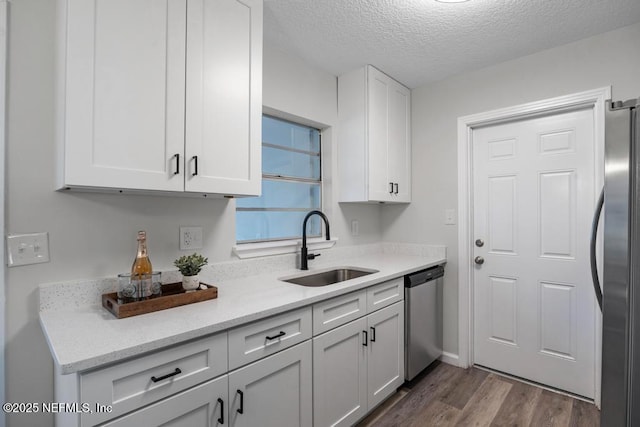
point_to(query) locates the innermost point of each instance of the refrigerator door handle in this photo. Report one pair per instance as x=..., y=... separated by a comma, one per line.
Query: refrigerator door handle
x=594, y=235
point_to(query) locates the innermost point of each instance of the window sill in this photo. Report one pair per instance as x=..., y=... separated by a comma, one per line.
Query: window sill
x=254, y=250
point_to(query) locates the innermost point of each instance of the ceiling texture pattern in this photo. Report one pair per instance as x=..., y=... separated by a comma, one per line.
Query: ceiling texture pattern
x=422, y=41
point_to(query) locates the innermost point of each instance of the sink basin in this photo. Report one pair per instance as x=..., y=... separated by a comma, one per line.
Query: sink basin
x=329, y=277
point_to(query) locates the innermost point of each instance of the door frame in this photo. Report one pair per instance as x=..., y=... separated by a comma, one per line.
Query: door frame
x=4, y=23
x=592, y=99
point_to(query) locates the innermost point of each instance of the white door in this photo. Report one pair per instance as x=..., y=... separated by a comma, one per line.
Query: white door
x=534, y=195
x=340, y=375
x=274, y=391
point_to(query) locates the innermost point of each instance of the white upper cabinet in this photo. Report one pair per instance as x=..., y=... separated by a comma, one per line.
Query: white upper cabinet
x=158, y=96
x=374, y=137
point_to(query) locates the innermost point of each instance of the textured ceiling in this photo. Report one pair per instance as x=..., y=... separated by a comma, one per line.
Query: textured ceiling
x=421, y=41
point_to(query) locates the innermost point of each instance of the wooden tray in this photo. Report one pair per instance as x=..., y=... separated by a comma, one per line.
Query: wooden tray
x=172, y=296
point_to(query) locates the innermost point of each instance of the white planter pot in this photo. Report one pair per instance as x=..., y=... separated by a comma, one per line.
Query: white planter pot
x=190, y=283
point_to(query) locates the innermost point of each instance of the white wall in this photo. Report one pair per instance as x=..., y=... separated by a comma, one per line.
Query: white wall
x=609, y=59
x=93, y=235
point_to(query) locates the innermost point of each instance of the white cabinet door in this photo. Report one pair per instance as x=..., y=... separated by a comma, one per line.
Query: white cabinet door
x=224, y=97
x=204, y=406
x=274, y=391
x=379, y=85
x=374, y=149
x=399, y=146
x=122, y=94
x=385, y=364
x=340, y=375
x=158, y=96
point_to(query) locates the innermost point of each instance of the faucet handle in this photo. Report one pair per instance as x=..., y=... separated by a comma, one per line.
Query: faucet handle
x=313, y=256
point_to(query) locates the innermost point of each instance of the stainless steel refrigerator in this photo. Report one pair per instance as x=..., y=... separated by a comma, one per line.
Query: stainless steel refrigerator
x=620, y=299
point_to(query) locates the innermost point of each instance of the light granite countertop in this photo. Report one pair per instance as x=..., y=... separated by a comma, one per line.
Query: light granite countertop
x=86, y=337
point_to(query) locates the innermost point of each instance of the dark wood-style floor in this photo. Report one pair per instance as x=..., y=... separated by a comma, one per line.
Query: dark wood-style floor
x=448, y=396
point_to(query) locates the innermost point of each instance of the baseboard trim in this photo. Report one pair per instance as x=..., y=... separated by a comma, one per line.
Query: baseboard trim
x=450, y=358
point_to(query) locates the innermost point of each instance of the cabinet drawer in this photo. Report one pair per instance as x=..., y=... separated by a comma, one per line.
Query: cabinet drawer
x=385, y=294
x=138, y=382
x=338, y=311
x=268, y=336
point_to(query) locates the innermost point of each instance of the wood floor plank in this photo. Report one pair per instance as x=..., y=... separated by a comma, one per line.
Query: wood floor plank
x=465, y=386
x=552, y=410
x=437, y=381
x=517, y=408
x=584, y=414
x=485, y=402
x=436, y=414
x=431, y=400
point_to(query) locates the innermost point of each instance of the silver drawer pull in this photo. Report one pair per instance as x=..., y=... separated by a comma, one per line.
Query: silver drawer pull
x=281, y=334
x=164, y=377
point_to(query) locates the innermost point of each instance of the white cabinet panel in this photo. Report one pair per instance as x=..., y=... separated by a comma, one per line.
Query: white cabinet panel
x=340, y=375
x=264, y=337
x=224, y=96
x=158, y=96
x=138, y=382
x=385, y=365
x=374, y=138
x=385, y=294
x=357, y=366
x=273, y=392
x=123, y=93
x=338, y=311
x=202, y=406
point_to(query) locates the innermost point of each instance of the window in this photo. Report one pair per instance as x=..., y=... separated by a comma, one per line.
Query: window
x=291, y=185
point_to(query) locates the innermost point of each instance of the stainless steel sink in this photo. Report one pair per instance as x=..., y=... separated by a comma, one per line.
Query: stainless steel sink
x=328, y=277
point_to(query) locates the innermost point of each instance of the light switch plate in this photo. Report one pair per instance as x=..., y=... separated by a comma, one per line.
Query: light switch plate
x=450, y=216
x=190, y=238
x=25, y=249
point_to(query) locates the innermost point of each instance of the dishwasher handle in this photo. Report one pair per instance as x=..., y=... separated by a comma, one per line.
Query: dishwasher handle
x=420, y=277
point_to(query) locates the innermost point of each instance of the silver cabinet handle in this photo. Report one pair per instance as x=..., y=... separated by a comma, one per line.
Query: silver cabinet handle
x=479, y=260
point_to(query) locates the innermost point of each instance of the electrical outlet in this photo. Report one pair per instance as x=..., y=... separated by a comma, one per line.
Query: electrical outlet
x=24, y=249
x=355, y=227
x=190, y=238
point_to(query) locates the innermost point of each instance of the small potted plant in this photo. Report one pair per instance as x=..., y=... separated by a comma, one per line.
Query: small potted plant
x=190, y=266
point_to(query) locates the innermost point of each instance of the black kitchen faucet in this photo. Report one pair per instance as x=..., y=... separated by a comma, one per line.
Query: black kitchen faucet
x=304, y=256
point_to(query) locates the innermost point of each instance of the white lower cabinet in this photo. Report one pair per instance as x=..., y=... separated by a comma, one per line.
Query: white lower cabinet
x=357, y=366
x=274, y=391
x=204, y=405
x=385, y=364
x=268, y=373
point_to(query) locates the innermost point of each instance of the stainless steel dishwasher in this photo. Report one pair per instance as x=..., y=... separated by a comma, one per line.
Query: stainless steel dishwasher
x=422, y=319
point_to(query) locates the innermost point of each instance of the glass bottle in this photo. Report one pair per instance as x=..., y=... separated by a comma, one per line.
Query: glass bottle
x=141, y=269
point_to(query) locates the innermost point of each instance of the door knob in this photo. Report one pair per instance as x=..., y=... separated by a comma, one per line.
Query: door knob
x=479, y=243
x=479, y=260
